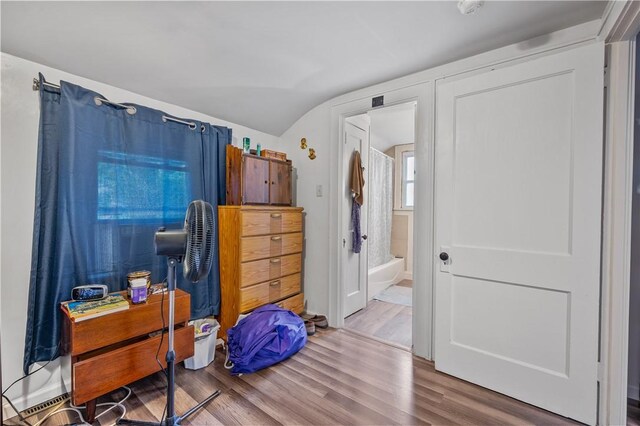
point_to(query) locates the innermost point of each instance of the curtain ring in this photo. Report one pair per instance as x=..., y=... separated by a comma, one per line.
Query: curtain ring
x=191, y=124
x=202, y=128
x=99, y=101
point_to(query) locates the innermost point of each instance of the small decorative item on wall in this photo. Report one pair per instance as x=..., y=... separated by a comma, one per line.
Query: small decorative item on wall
x=312, y=153
x=303, y=143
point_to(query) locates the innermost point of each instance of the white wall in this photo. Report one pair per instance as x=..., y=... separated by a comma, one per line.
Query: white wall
x=19, y=137
x=634, y=296
x=313, y=173
x=316, y=126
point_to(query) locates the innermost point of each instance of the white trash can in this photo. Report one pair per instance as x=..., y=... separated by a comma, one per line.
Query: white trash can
x=204, y=345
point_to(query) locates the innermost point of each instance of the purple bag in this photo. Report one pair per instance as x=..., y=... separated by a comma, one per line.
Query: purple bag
x=267, y=336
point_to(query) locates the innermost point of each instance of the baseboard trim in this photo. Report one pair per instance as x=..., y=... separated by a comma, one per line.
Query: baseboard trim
x=44, y=394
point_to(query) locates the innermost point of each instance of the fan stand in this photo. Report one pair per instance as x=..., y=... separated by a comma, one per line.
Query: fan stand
x=172, y=419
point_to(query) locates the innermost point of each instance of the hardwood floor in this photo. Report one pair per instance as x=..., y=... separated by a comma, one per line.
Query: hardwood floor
x=338, y=378
x=385, y=321
x=633, y=412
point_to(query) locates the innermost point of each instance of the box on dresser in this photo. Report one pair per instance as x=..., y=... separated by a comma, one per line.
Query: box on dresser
x=252, y=179
x=260, y=260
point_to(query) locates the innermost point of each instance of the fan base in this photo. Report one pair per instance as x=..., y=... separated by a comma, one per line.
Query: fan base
x=175, y=421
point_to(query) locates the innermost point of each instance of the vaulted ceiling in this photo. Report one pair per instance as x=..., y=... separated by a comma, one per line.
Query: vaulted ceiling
x=264, y=64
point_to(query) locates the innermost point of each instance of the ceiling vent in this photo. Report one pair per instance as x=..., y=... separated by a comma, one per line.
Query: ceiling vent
x=469, y=7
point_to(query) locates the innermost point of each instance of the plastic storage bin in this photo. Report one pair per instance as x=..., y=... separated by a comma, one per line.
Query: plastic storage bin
x=204, y=345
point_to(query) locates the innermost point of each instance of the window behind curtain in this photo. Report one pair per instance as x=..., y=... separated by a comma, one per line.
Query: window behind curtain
x=135, y=195
x=140, y=188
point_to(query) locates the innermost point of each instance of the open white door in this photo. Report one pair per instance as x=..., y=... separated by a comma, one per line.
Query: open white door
x=354, y=272
x=518, y=212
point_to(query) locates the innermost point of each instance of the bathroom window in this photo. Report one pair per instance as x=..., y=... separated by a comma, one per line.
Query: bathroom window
x=408, y=178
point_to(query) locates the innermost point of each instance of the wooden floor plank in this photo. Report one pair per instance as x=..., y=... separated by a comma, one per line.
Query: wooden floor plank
x=338, y=378
x=386, y=321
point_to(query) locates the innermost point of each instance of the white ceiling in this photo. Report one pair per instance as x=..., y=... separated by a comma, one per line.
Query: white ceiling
x=391, y=126
x=264, y=64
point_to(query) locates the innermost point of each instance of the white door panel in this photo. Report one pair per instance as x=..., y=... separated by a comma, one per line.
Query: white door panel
x=355, y=265
x=518, y=206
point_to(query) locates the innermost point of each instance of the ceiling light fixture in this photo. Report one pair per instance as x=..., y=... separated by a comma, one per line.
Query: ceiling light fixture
x=469, y=7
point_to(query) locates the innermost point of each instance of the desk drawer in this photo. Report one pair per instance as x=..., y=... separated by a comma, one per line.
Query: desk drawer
x=269, y=269
x=253, y=248
x=138, y=320
x=103, y=373
x=273, y=222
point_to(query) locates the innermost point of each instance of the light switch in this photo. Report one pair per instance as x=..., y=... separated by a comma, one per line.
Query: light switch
x=318, y=190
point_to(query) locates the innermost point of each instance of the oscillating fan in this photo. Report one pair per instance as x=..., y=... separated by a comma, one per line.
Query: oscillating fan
x=193, y=246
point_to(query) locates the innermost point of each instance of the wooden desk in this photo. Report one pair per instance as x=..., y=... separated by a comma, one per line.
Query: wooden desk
x=113, y=350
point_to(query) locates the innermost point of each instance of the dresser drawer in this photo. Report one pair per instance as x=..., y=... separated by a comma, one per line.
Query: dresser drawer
x=269, y=222
x=253, y=248
x=283, y=287
x=253, y=296
x=293, y=303
x=269, y=269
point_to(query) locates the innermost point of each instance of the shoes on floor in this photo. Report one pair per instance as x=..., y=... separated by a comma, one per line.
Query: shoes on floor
x=310, y=326
x=320, y=321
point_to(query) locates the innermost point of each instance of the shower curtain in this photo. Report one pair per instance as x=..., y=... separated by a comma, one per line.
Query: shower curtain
x=380, y=207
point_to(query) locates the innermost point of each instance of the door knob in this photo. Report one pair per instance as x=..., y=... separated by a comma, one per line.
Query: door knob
x=364, y=237
x=444, y=256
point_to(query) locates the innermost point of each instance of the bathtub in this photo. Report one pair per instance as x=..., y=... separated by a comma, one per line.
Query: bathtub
x=384, y=275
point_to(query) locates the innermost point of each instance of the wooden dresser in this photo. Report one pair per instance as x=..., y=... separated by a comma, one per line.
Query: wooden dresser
x=116, y=349
x=260, y=260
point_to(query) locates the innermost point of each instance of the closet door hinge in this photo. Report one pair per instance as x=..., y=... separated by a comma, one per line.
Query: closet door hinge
x=606, y=76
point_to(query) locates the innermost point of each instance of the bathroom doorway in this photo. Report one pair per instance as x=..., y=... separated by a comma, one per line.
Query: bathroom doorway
x=387, y=233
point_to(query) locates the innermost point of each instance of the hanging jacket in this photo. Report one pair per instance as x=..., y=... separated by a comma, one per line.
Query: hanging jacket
x=357, y=178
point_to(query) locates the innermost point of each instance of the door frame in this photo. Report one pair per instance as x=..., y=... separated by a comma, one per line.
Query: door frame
x=422, y=318
x=619, y=29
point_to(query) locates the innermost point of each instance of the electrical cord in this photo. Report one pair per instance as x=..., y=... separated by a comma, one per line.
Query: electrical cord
x=164, y=370
x=76, y=409
x=23, y=419
x=55, y=355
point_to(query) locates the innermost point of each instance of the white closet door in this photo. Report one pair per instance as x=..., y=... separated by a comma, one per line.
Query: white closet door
x=518, y=211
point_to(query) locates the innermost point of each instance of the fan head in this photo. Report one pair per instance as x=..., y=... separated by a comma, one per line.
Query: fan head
x=199, y=225
x=194, y=244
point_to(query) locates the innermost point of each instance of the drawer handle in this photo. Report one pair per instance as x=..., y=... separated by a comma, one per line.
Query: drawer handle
x=275, y=260
x=274, y=283
x=276, y=215
x=276, y=238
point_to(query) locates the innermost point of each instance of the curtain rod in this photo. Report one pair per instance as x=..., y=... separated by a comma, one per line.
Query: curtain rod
x=36, y=84
x=130, y=109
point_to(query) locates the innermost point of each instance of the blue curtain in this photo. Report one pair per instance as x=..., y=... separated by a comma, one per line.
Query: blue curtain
x=106, y=180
